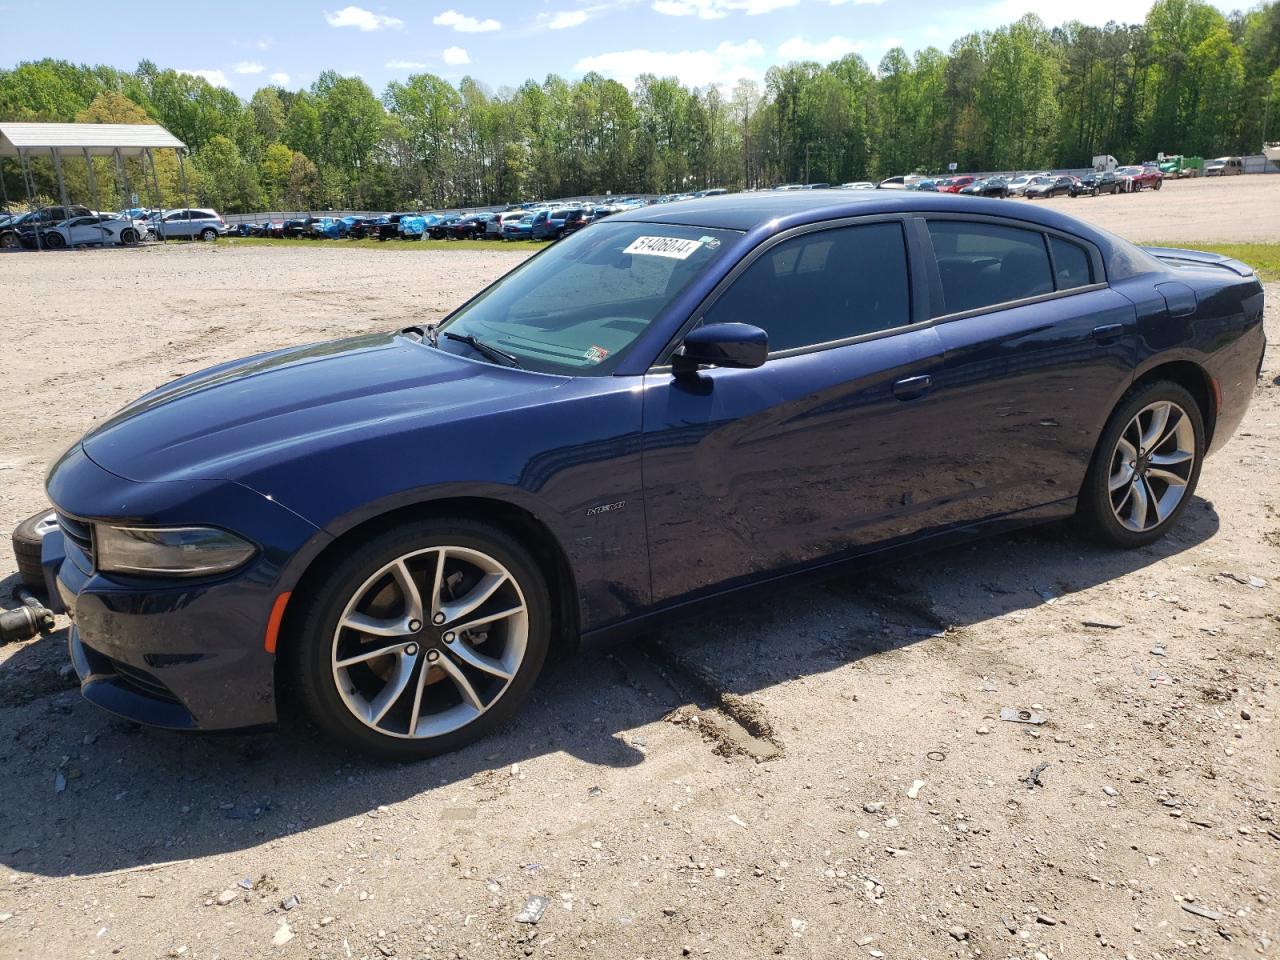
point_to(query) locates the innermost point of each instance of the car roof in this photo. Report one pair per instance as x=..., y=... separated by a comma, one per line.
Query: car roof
x=747, y=211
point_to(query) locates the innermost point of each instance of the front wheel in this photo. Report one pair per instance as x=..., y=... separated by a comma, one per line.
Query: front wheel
x=1146, y=465
x=423, y=639
x=1157, y=185
x=54, y=241
x=128, y=237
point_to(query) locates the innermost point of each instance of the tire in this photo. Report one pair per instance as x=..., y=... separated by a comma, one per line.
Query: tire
x=367, y=584
x=1100, y=509
x=128, y=237
x=27, y=539
x=8, y=240
x=1157, y=185
x=54, y=241
x=208, y=234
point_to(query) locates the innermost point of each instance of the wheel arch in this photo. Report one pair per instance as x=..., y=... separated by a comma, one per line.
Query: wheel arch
x=1196, y=381
x=530, y=531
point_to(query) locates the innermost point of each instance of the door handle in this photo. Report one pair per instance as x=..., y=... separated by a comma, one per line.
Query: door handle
x=1108, y=332
x=912, y=387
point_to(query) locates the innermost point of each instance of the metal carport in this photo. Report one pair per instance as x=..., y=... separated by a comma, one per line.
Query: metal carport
x=26, y=141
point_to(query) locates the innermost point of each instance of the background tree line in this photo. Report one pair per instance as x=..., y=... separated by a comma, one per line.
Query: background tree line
x=1187, y=80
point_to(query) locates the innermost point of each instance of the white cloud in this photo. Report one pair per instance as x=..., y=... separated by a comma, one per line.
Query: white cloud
x=247, y=66
x=215, y=77
x=856, y=3
x=465, y=24
x=563, y=19
x=726, y=64
x=824, y=51
x=362, y=19
x=279, y=79
x=718, y=9
x=406, y=65
x=1093, y=12
x=455, y=56
x=263, y=44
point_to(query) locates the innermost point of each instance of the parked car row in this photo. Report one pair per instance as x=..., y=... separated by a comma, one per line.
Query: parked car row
x=55, y=227
x=1038, y=186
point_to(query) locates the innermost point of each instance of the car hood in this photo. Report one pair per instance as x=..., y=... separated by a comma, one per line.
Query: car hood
x=219, y=423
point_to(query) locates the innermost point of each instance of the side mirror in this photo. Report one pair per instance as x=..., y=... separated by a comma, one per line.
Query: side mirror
x=737, y=345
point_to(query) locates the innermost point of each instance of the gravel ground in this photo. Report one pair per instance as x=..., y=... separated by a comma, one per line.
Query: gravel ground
x=820, y=773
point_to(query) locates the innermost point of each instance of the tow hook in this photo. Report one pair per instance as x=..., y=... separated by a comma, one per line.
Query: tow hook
x=27, y=620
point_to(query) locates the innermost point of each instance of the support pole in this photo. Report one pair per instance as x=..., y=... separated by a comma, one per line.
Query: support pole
x=155, y=177
x=62, y=183
x=93, y=194
x=29, y=183
x=182, y=175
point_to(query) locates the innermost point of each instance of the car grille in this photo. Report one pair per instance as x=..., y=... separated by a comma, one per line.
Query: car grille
x=79, y=533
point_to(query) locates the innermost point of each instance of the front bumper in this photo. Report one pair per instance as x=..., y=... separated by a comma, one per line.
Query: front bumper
x=179, y=653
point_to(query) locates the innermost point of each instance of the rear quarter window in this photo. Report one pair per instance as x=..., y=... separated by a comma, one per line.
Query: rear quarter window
x=1071, y=265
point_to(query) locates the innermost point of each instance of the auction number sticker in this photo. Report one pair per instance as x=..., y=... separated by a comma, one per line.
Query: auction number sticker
x=674, y=248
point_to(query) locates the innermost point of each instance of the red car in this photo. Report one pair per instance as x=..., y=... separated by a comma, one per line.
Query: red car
x=955, y=184
x=1140, y=177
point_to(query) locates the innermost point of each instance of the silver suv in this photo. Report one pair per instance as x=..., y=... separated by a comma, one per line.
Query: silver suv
x=190, y=223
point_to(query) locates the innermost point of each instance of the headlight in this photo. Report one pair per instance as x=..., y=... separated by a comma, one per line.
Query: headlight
x=168, y=551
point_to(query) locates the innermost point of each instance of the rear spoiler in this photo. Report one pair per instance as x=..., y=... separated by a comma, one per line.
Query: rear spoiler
x=1199, y=258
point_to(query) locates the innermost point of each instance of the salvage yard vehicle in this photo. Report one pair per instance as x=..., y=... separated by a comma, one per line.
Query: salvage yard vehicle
x=1093, y=184
x=104, y=229
x=1224, y=167
x=679, y=404
x=21, y=230
x=190, y=224
x=493, y=229
x=1018, y=185
x=987, y=187
x=1178, y=166
x=467, y=228
x=1138, y=177
x=1053, y=186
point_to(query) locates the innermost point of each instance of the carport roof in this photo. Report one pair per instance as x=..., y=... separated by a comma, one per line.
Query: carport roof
x=100, y=139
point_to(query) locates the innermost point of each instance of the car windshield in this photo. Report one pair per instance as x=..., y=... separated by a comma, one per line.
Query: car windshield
x=576, y=308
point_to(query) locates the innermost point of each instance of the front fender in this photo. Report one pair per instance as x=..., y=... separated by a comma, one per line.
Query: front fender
x=559, y=462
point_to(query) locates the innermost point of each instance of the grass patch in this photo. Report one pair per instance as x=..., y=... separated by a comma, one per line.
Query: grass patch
x=381, y=244
x=1263, y=257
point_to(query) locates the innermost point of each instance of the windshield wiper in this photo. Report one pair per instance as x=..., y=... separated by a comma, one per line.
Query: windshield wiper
x=490, y=351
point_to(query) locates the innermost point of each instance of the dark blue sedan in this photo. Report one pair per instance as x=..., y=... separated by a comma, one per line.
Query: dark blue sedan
x=683, y=401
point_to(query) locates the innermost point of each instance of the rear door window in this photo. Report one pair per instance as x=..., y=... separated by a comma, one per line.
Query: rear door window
x=984, y=264
x=823, y=286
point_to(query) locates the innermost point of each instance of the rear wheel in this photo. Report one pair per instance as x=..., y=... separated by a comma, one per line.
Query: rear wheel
x=1157, y=185
x=128, y=237
x=422, y=640
x=208, y=234
x=1146, y=466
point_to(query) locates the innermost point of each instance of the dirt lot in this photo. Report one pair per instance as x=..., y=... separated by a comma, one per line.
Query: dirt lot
x=822, y=773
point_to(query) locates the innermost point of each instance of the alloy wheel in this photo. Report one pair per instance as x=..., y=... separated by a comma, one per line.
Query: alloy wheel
x=1151, y=466
x=430, y=642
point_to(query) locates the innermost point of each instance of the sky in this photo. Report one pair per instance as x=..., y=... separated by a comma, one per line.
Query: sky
x=246, y=45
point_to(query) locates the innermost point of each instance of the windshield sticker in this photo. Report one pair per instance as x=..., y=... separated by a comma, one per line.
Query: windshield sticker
x=596, y=354
x=675, y=248
x=711, y=242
